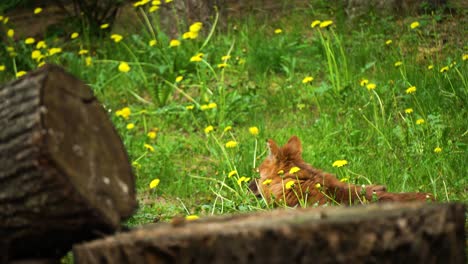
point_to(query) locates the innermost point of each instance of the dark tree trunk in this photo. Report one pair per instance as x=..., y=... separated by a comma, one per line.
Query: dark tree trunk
x=64, y=173
x=390, y=233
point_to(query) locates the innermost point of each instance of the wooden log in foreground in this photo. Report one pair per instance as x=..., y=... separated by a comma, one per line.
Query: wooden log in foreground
x=379, y=233
x=64, y=173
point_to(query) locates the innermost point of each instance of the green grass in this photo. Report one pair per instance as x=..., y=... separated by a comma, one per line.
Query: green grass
x=334, y=116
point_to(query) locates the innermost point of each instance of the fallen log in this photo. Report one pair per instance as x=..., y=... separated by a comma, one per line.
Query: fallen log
x=378, y=233
x=64, y=173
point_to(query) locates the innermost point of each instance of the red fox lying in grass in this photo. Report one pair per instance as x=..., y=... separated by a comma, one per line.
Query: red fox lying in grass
x=286, y=178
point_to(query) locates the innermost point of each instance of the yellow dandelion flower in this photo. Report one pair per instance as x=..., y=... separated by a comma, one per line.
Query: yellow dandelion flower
x=88, y=61
x=104, y=26
x=40, y=64
x=195, y=27
x=232, y=173
x=242, y=179
x=438, y=150
x=116, y=37
x=325, y=23
x=124, y=67
x=371, y=86
x=5, y=20
x=280, y=172
x=83, y=52
x=315, y=23
x=212, y=105
x=465, y=57
x=430, y=67
x=124, y=112
x=254, y=130
x=141, y=3
x=294, y=169
x=228, y=128
x=340, y=163
x=155, y=2
x=411, y=90
x=10, y=33
x=225, y=57
x=364, y=82
x=398, y=64
x=152, y=134
x=190, y=107
x=278, y=31
x=307, y=79
x=414, y=25
x=53, y=51
x=153, y=8
x=318, y=186
x=197, y=57
x=222, y=65
x=130, y=126
x=168, y=1
x=345, y=179
x=154, y=183
x=74, y=35
x=204, y=107
x=388, y=42
x=444, y=69
x=267, y=182
x=20, y=73
x=152, y=42
x=209, y=129
x=174, y=43
x=179, y=78
x=289, y=184
x=231, y=144
x=37, y=10
x=36, y=55
x=149, y=147
x=409, y=110
x=420, y=121
x=190, y=217
x=2, y=67
x=41, y=45
x=29, y=41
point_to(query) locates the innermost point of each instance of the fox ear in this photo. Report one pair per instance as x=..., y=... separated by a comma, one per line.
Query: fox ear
x=295, y=144
x=273, y=148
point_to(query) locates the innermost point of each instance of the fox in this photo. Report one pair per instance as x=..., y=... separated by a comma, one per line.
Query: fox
x=285, y=178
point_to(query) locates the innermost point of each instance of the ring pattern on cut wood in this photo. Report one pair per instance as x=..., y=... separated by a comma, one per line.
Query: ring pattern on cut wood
x=65, y=176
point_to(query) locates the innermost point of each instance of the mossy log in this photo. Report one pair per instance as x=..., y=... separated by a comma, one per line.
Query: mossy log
x=379, y=233
x=65, y=176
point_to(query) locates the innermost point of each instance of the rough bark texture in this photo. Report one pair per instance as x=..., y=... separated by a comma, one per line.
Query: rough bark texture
x=389, y=233
x=65, y=175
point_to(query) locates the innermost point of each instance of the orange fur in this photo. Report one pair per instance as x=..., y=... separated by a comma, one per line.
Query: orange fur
x=306, y=182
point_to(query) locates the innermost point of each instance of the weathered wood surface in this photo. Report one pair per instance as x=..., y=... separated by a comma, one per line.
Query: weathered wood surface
x=385, y=233
x=64, y=173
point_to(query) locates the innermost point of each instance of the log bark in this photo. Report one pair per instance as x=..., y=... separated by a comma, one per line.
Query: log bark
x=64, y=173
x=385, y=233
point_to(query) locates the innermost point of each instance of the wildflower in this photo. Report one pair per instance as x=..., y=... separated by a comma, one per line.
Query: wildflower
x=10, y=33
x=318, y=186
x=174, y=43
x=116, y=37
x=315, y=23
x=41, y=45
x=409, y=110
x=2, y=67
x=371, y=86
x=294, y=170
x=414, y=25
x=88, y=61
x=208, y=129
x=74, y=35
x=195, y=27
x=168, y=1
x=388, y=42
x=153, y=8
x=231, y=144
x=124, y=67
x=190, y=217
x=267, y=182
x=36, y=55
x=242, y=179
x=278, y=31
x=325, y=23
x=190, y=107
x=136, y=165
x=140, y=3
x=430, y=67
x=364, y=82
x=83, y=52
x=104, y=26
x=280, y=172
x=345, y=179
x=154, y=183
x=152, y=134
x=190, y=35
x=5, y=20
x=152, y=42
x=37, y=10
x=232, y=173
x=307, y=79
x=289, y=185
x=197, y=57
x=124, y=112
x=20, y=73
x=465, y=57
x=437, y=150
x=253, y=130
x=339, y=163
x=411, y=90
x=156, y=2
x=29, y=41
x=398, y=64
x=222, y=65
x=444, y=69
x=228, y=128
x=40, y=64
x=420, y=121
x=149, y=147
x=53, y=51
x=179, y=78
x=212, y=105
x=225, y=57
x=130, y=126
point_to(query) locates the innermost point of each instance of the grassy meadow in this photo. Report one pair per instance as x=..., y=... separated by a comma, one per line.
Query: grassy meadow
x=386, y=94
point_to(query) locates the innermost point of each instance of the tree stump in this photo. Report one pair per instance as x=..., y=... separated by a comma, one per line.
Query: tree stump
x=65, y=175
x=379, y=233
